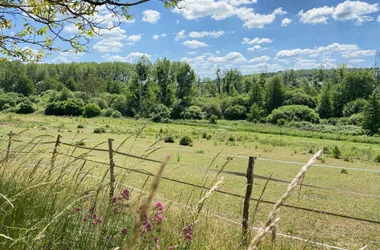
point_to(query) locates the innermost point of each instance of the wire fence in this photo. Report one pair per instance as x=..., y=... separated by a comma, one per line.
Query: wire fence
x=111, y=165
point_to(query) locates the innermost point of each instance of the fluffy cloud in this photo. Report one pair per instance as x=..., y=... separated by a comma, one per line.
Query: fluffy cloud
x=378, y=19
x=345, y=50
x=213, y=34
x=286, y=21
x=134, y=38
x=151, y=16
x=180, y=35
x=155, y=37
x=131, y=58
x=255, y=48
x=356, y=11
x=256, y=40
x=107, y=45
x=219, y=10
x=355, y=61
x=191, y=53
x=193, y=44
x=232, y=57
x=260, y=59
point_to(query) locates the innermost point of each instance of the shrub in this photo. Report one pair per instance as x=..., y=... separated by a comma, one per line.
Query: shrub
x=91, y=110
x=159, y=113
x=236, y=112
x=26, y=107
x=6, y=101
x=177, y=108
x=336, y=152
x=211, y=109
x=73, y=107
x=107, y=112
x=354, y=107
x=231, y=138
x=55, y=108
x=169, y=139
x=209, y=137
x=186, y=141
x=99, y=130
x=80, y=126
x=192, y=113
x=242, y=100
x=204, y=135
x=299, y=98
x=294, y=113
x=213, y=119
x=255, y=113
x=356, y=119
x=116, y=114
x=377, y=159
x=344, y=171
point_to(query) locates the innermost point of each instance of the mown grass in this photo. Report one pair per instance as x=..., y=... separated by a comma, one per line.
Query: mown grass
x=305, y=224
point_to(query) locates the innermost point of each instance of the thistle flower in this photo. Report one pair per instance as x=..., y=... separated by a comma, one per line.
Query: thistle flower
x=170, y=248
x=159, y=218
x=155, y=240
x=124, y=231
x=189, y=233
x=159, y=205
x=78, y=209
x=126, y=194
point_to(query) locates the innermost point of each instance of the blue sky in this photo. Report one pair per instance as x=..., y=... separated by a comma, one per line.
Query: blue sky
x=251, y=35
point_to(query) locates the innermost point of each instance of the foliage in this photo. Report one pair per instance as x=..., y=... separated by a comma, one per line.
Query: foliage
x=274, y=94
x=213, y=119
x=71, y=107
x=159, y=113
x=371, y=113
x=325, y=108
x=192, y=113
x=177, y=108
x=294, y=113
x=169, y=139
x=354, y=107
x=186, y=141
x=255, y=113
x=6, y=101
x=236, y=112
x=91, y=110
x=212, y=109
x=99, y=131
x=26, y=107
x=299, y=98
x=116, y=114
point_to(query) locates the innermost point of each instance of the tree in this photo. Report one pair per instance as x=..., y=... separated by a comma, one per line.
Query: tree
x=325, y=107
x=218, y=80
x=38, y=25
x=256, y=94
x=165, y=82
x=185, y=78
x=372, y=113
x=232, y=82
x=274, y=94
x=24, y=86
x=142, y=70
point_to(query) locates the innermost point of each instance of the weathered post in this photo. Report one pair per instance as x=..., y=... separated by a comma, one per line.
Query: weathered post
x=9, y=149
x=112, y=173
x=251, y=165
x=54, y=155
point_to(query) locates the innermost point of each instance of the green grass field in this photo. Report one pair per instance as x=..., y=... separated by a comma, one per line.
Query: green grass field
x=355, y=193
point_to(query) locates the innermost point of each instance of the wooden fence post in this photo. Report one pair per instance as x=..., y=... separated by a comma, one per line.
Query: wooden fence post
x=9, y=149
x=54, y=155
x=112, y=173
x=251, y=165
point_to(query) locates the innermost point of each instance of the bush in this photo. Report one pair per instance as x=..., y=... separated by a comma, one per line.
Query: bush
x=177, y=108
x=159, y=113
x=6, y=101
x=299, y=98
x=294, y=113
x=73, y=107
x=356, y=119
x=255, y=113
x=116, y=114
x=354, y=107
x=80, y=126
x=211, y=109
x=26, y=107
x=108, y=112
x=91, y=110
x=213, y=119
x=99, y=130
x=169, y=139
x=186, y=141
x=242, y=100
x=336, y=153
x=192, y=113
x=236, y=112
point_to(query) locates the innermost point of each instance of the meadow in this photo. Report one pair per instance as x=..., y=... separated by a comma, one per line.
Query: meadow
x=344, y=181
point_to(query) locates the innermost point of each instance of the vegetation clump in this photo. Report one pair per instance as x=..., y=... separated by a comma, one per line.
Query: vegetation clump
x=186, y=141
x=99, y=130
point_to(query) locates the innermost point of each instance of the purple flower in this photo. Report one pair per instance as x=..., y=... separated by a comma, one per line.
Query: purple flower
x=159, y=205
x=114, y=199
x=148, y=227
x=91, y=210
x=126, y=194
x=84, y=219
x=170, y=248
x=189, y=233
x=155, y=240
x=108, y=237
x=124, y=231
x=159, y=218
x=78, y=209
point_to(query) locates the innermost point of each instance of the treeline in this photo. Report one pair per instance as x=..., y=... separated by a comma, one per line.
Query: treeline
x=167, y=90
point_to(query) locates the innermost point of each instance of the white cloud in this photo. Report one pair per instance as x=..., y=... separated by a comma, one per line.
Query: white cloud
x=163, y=35
x=286, y=54
x=131, y=58
x=255, y=48
x=286, y=21
x=155, y=37
x=260, y=59
x=180, y=35
x=261, y=67
x=151, y=16
x=378, y=19
x=213, y=34
x=193, y=44
x=349, y=10
x=107, y=45
x=240, y=2
x=71, y=28
x=256, y=40
x=134, y=38
x=219, y=10
x=192, y=52
x=217, y=52
x=356, y=61
x=232, y=57
x=358, y=53
x=254, y=20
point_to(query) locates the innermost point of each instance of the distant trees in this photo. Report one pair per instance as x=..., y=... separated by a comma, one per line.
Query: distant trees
x=275, y=93
x=371, y=113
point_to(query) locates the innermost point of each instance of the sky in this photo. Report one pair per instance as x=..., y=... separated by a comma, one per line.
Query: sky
x=250, y=35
